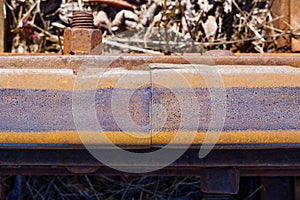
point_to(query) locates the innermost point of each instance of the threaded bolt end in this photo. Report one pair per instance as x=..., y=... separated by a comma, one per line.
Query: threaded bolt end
x=82, y=19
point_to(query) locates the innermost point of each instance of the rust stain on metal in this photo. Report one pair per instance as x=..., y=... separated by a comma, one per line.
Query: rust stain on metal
x=143, y=140
x=140, y=61
x=281, y=8
x=72, y=138
x=219, y=53
x=82, y=38
x=244, y=75
x=116, y=3
x=232, y=76
x=231, y=137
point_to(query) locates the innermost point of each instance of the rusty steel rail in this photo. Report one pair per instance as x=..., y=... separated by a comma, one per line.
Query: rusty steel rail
x=42, y=61
x=260, y=134
x=32, y=110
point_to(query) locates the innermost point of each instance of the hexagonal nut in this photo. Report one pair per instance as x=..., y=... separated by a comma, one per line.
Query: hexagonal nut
x=81, y=41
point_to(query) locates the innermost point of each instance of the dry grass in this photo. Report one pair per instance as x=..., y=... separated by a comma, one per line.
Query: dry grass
x=117, y=187
x=237, y=25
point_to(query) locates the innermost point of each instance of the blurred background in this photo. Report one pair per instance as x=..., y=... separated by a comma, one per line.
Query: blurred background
x=260, y=26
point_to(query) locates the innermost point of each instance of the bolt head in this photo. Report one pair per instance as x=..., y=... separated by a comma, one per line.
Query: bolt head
x=81, y=41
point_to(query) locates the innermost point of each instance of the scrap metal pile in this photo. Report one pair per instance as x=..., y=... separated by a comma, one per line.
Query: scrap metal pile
x=155, y=25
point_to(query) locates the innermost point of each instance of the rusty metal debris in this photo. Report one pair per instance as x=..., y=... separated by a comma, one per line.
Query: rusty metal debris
x=295, y=23
x=116, y=3
x=237, y=25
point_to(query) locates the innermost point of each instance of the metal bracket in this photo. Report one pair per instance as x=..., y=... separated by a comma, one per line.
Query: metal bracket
x=220, y=180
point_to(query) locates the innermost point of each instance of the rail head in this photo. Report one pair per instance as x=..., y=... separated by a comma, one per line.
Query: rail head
x=258, y=96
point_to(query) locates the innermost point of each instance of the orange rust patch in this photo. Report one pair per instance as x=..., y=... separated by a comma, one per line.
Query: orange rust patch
x=233, y=137
x=73, y=138
x=143, y=139
x=225, y=76
x=231, y=76
x=64, y=79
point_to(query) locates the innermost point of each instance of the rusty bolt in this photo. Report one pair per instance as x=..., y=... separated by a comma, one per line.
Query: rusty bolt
x=82, y=38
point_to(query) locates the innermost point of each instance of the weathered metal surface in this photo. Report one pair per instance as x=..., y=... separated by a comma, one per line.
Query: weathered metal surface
x=249, y=163
x=288, y=11
x=119, y=4
x=140, y=61
x=261, y=101
x=82, y=19
x=37, y=108
x=295, y=23
x=82, y=38
x=281, y=8
x=261, y=104
x=220, y=180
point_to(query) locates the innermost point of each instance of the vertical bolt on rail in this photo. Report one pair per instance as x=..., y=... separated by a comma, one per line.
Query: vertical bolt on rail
x=82, y=38
x=82, y=19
